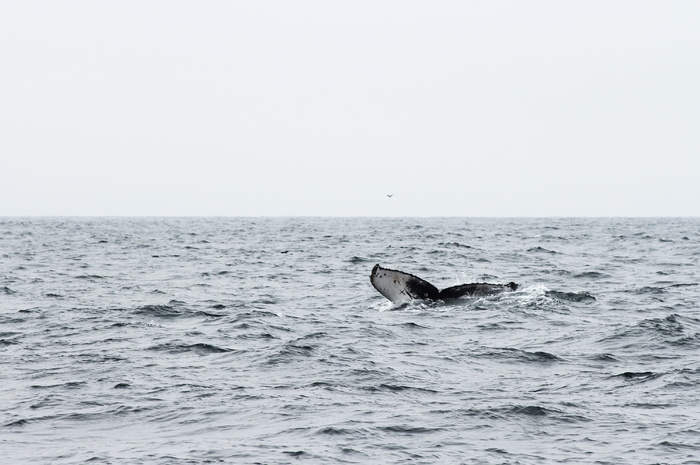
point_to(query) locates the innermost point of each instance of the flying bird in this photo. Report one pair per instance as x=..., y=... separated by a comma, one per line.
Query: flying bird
x=390, y=195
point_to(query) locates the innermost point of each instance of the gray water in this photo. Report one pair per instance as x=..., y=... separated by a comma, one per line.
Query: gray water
x=261, y=340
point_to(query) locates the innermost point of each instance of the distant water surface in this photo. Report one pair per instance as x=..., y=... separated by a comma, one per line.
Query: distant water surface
x=261, y=340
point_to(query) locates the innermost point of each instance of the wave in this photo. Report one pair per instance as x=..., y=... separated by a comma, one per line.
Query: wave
x=638, y=375
x=571, y=296
x=405, y=429
x=198, y=348
x=539, y=249
x=509, y=412
x=591, y=275
x=175, y=309
x=673, y=331
x=455, y=244
x=399, y=388
x=159, y=311
x=522, y=356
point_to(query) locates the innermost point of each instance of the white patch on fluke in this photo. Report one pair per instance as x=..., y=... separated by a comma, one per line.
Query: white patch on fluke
x=400, y=287
x=391, y=284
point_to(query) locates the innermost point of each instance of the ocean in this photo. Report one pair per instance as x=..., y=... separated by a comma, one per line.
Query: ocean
x=261, y=341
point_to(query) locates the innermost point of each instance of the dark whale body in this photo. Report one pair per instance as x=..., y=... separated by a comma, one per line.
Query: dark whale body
x=400, y=287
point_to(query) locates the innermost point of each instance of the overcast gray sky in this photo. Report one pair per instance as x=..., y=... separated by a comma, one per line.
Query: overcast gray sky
x=457, y=108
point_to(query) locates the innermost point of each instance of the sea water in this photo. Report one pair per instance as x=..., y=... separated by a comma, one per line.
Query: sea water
x=261, y=340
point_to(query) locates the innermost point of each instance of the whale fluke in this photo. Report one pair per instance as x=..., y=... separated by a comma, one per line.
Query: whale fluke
x=401, y=288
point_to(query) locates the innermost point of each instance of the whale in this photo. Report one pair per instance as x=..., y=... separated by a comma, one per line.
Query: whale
x=401, y=288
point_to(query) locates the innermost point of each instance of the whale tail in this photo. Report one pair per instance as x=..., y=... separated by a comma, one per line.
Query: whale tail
x=401, y=288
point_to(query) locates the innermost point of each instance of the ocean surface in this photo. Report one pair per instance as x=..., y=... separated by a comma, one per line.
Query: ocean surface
x=261, y=341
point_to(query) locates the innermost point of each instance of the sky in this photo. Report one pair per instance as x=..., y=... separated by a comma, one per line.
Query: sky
x=324, y=108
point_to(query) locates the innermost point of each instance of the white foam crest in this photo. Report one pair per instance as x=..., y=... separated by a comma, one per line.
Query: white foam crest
x=384, y=306
x=526, y=295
